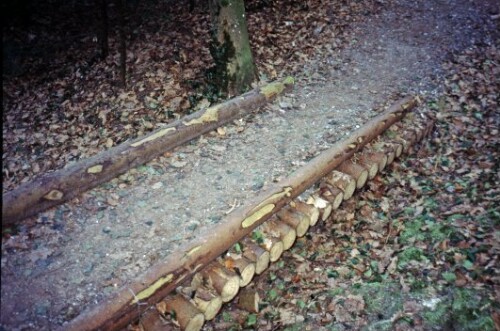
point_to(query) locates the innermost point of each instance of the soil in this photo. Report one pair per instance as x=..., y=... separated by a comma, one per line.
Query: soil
x=73, y=256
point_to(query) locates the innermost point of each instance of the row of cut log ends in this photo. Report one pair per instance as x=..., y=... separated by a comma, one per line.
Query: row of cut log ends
x=222, y=279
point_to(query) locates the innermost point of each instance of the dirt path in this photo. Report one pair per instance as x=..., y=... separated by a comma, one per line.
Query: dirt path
x=82, y=251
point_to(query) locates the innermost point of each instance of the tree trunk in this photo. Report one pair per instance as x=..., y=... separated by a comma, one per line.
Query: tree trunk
x=122, y=47
x=230, y=48
x=57, y=187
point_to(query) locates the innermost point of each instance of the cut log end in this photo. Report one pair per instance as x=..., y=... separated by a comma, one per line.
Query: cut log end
x=230, y=289
x=262, y=263
x=360, y=181
x=326, y=212
x=296, y=219
x=275, y=248
x=256, y=254
x=276, y=228
x=185, y=313
x=208, y=302
x=196, y=323
x=246, y=274
x=372, y=169
x=249, y=300
x=351, y=187
x=289, y=239
x=309, y=210
x=344, y=181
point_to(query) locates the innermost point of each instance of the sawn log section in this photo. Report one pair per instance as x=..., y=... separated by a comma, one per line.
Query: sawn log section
x=131, y=300
x=57, y=187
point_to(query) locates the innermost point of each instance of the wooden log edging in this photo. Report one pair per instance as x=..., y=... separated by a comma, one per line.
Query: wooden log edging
x=248, y=298
x=130, y=301
x=54, y=188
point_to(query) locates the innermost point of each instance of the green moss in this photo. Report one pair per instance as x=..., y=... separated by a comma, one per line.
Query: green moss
x=410, y=254
x=463, y=309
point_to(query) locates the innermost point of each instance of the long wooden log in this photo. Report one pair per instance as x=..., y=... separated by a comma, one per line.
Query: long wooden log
x=62, y=185
x=128, y=302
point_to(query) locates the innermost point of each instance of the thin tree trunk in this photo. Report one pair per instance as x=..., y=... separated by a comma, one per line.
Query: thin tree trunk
x=123, y=47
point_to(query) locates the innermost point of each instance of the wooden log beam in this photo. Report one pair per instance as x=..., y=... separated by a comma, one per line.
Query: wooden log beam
x=62, y=185
x=130, y=301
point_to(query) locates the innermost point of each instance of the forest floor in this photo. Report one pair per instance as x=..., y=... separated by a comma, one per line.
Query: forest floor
x=417, y=249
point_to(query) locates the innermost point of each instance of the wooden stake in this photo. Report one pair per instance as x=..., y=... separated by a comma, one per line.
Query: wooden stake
x=344, y=181
x=241, y=265
x=369, y=165
x=274, y=246
x=324, y=207
x=224, y=281
x=331, y=194
x=295, y=219
x=208, y=301
x=281, y=231
x=378, y=158
x=256, y=254
x=152, y=320
x=248, y=299
x=183, y=311
x=309, y=210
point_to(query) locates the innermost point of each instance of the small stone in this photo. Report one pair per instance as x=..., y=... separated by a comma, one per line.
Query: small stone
x=156, y=186
x=107, y=229
x=178, y=164
x=218, y=148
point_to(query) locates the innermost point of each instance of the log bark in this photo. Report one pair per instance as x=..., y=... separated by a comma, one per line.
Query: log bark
x=123, y=306
x=248, y=299
x=297, y=220
x=256, y=254
x=184, y=312
x=62, y=185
